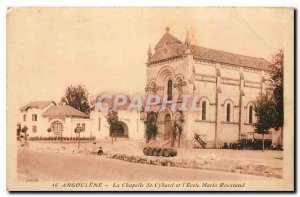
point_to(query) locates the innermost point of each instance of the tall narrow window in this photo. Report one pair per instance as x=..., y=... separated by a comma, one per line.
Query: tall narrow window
x=228, y=113
x=170, y=90
x=83, y=127
x=34, y=117
x=250, y=114
x=24, y=117
x=203, y=110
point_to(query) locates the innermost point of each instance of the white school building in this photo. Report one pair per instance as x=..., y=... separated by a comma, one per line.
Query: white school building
x=47, y=119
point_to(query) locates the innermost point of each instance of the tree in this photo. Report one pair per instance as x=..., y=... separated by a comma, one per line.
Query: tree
x=77, y=97
x=18, y=129
x=265, y=110
x=177, y=129
x=113, y=121
x=277, y=84
x=269, y=108
x=151, y=127
x=24, y=130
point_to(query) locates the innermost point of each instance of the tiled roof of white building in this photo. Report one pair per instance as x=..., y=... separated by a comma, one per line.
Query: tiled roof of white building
x=63, y=111
x=37, y=104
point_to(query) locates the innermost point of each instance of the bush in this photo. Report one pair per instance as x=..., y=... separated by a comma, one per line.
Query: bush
x=24, y=129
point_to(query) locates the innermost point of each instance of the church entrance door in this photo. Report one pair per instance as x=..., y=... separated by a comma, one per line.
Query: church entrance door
x=168, y=127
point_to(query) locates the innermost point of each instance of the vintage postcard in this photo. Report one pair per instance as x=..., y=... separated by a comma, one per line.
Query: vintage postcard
x=150, y=99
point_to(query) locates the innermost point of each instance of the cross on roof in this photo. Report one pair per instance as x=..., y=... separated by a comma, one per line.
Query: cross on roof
x=167, y=29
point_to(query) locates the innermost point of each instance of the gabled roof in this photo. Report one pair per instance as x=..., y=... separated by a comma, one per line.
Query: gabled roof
x=168, y=47
x=176, y=48
x=64, y=111
x=167, y=38
x=37, y=104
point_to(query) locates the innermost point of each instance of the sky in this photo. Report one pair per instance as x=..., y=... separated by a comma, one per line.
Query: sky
x=105, y=49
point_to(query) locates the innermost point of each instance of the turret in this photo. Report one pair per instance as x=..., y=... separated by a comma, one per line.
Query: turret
x=149, y=53
x=187, y=43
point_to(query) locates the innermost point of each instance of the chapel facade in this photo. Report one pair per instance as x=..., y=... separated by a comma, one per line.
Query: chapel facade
x=226, y=84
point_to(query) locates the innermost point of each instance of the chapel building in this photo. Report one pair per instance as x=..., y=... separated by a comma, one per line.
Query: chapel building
x=227, y=84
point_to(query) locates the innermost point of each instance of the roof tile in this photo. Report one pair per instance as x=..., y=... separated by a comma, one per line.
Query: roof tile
x=63, y=111
x=37, y=104
x=176, y=48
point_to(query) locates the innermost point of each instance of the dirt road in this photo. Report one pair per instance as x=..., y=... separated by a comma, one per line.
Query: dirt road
x=50, y=166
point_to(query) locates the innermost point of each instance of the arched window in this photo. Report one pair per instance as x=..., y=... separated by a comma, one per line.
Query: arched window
x=251, y=114
x=228, y=113
x=203, y=110
x=170, y=90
